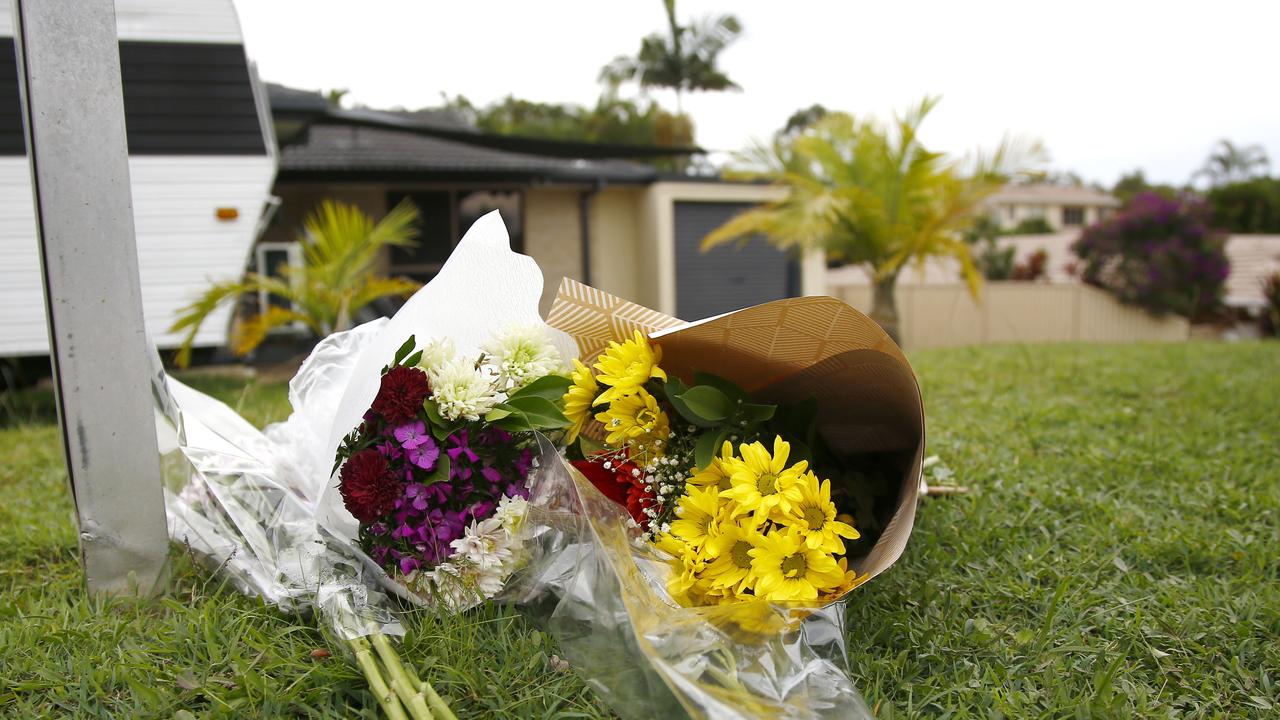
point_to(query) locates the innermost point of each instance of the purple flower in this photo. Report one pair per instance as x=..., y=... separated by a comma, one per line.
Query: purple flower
x=524, y=463
x=491, y=474
x=390, y=450
x=417, y=494
x=412, y=434
x=481, y=510
x=408, y=564
x=425, y=454
x=461, y=448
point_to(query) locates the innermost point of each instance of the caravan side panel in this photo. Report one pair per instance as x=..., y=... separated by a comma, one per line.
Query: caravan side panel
x=182, y=245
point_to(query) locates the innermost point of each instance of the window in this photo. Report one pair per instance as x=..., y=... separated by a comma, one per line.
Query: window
x=473, y=205
x=268, y=257
x=445, y=216
x=1072, y=215
x=435, y=237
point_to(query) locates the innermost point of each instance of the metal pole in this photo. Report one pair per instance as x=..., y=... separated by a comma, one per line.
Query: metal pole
x=73, y=111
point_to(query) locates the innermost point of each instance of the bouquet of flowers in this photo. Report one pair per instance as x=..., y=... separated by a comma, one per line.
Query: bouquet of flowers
x=433, y=459
x=740, y=519
x=437, y=471
x=727, y=484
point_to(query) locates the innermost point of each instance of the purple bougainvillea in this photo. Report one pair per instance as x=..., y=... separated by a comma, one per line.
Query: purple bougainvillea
x=1158, y=253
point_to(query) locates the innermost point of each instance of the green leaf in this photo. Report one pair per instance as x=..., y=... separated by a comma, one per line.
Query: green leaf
x=727, y=387
x=440, y=427
x=551, y=387
x=707, y=446
x=753, y=412
x=707, y=403
x=404, y=350
x=412, y=360
x=675, y=387
x=441, y=471
x=516, y=421
x=497, y=413
x=541, y=413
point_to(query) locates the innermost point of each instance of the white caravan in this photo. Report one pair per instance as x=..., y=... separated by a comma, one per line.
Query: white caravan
x=202, y=160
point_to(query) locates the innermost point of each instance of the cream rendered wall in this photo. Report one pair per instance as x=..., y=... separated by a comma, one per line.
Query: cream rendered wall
x=615, y=242
x=552, y=237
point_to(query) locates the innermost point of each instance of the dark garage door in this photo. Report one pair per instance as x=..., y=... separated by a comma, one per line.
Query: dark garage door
x=730, y=276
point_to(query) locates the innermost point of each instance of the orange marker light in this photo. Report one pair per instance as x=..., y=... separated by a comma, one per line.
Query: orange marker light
x=228, y=213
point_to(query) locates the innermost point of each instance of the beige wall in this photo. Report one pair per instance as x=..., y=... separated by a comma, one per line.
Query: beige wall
x=552, y=237
x=1015, y=312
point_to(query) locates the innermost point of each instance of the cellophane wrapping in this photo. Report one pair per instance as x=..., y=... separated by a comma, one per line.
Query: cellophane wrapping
x=602, y=594
x=262, y=506
x=242, y=500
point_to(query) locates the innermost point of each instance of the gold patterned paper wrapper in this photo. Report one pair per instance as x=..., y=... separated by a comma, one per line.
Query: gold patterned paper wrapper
x=785, y=351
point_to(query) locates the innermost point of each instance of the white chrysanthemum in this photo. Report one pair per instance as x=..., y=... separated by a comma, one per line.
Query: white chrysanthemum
x=511, y=512
x=461, y=391
x=484, y=546
x=436, y=354
x=522, y=354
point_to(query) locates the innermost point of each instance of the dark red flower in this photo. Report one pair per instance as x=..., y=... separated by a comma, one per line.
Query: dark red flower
x=621, y=482
x=369, y=489
x=605, y=480
x=401, y=394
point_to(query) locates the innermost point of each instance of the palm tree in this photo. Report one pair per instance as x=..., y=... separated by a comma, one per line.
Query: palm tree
x=1228, y=163
x=335, y=280
x=873, y=197
x=685, y=60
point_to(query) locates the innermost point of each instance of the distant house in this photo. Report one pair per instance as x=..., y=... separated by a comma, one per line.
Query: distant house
x=592, y=212
x=1062, y=207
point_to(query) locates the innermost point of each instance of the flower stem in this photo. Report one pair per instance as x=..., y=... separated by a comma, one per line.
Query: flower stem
x=386, y=698
x=412, y=692
x=436, y=702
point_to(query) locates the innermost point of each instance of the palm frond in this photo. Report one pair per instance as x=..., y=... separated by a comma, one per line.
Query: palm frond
x=251, y=331
x=374, y=288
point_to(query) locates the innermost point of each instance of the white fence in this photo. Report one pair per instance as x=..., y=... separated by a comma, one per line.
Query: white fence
x=1013, y=312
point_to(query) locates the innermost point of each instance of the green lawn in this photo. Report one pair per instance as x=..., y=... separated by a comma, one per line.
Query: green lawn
x=1119, y=556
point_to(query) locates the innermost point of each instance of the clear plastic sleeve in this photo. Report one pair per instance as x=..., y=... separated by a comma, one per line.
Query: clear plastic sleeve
x=602, y=595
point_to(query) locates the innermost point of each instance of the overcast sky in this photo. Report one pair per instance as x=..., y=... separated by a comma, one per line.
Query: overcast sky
x=1106, y=86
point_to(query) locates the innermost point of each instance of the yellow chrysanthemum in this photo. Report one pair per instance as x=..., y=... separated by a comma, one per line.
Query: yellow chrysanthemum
x=815, y=517
x=636, y=420
x=787, y=571
x=717, y=473
x=686, y=584
x=696, y=515
x=851, y=581
x=577, y=401
x=762, y=483
x=729, y=548
x=624, y=367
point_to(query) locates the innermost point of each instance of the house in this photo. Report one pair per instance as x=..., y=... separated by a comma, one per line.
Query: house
x=201, y=166
x=592, y=212
x=1061, y=207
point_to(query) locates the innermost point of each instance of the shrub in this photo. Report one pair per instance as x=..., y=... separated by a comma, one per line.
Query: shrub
x=1252, y=206
x=1271, y=313
x=1159, y=254
x=1033, y=268
x=1032, y=226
